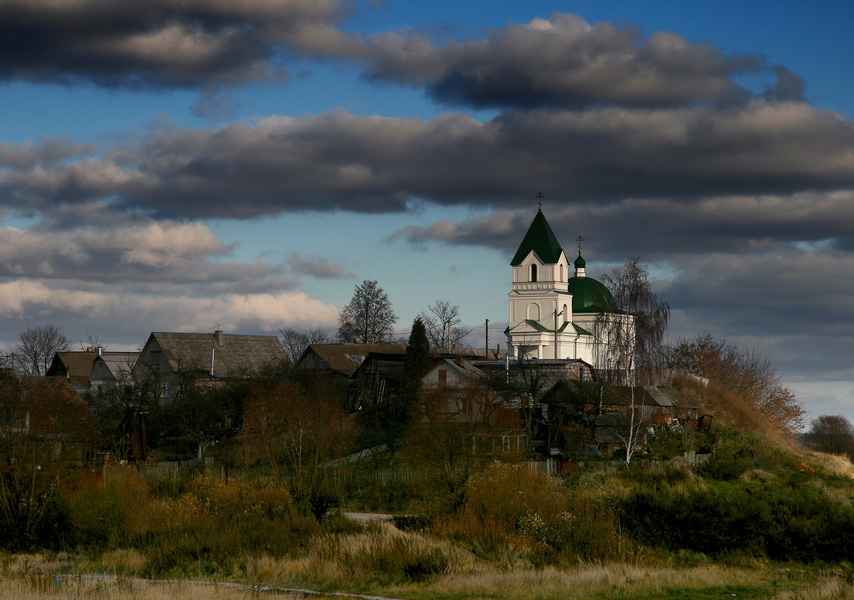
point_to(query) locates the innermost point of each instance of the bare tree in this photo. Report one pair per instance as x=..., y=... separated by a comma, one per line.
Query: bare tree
x=36, y=347
x=633, y=294
x=368, y=317
x=744, y=373
x=440, y=319
x=295, y=341
x=632, y=339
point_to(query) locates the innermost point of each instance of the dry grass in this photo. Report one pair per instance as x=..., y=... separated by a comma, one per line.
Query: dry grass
x=36, y=578
x=61, y=587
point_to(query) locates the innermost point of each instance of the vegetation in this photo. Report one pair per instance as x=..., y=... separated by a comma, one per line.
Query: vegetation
x=441, y=321
x=368, y=317
x=759, y=516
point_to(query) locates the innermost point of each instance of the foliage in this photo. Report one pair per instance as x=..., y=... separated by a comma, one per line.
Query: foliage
x=368, y=317
x=508, y=506
x=455, y=429
x=783, y=520
x=294, y=432
x=36, y=347
x=833, y=434
x=416, y=364
x=47, y=433
x=744, y=374
x=441, y=319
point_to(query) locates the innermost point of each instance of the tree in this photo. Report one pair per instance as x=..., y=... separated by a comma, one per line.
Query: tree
x=47, y=431
x=629, y=284
x=632, y=339
x=742, y=374
x=36, y=347
x=295, y=431
x=295, y=341
x=416, y=364
x=368, y=317
x=440, y=320
x=833, y=434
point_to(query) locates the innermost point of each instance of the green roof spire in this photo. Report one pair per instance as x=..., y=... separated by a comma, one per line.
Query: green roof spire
x=541, y=239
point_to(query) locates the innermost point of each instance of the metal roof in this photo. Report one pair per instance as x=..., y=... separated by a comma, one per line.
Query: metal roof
x=541, y=239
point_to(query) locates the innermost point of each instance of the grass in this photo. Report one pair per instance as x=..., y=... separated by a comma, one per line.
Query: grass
x=644, y=533
x=37, y=577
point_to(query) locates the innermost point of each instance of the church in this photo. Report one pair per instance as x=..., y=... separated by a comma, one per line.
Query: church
x=555, y=312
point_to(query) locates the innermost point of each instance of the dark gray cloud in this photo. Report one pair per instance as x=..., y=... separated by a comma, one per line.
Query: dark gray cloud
x=374, y=164
x=561, y=61
x=661, y=230
x=565, y=62
x=193, y=43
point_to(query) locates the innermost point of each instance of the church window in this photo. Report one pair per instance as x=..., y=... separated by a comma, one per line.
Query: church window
x=561, y=273
x=565, y=313
x=534, y=312
x=533, y=272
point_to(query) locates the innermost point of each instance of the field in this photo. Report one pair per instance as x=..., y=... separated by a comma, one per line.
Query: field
x=31, y=577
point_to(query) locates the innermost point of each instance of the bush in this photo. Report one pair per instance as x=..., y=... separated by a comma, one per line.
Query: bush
x=104, y=510
x=509, y=508
x=781, y=520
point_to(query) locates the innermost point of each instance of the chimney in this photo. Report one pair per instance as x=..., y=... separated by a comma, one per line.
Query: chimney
x=219, y=338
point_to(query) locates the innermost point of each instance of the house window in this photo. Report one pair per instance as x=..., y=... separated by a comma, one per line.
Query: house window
x=533, y=272
x=443, y=379
x=164, y=389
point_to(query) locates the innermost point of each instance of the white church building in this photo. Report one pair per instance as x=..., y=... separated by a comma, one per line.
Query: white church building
x=556, y=311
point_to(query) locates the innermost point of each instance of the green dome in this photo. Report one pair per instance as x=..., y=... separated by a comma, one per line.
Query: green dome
x=590, y=296
x=580, y=263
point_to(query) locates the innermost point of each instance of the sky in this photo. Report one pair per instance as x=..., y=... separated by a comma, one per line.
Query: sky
x=244, y=165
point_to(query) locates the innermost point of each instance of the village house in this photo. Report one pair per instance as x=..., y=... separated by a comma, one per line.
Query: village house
x=88, y=369
x=171, y=361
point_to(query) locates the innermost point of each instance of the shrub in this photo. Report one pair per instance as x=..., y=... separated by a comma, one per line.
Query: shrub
x=104, y=509
x=779, y=519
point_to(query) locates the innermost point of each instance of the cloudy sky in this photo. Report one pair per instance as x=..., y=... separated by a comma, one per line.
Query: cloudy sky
x=246, y=164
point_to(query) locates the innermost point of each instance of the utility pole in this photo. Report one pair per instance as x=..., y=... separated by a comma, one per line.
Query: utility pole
x=557, y=314
x=486, y=341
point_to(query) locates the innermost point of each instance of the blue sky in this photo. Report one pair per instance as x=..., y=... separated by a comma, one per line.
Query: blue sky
x=248, y=164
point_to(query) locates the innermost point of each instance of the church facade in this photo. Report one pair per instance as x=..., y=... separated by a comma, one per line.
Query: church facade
x=556, y=311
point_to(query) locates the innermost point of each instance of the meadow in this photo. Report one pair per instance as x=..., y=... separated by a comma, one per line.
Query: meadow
x=762, y=519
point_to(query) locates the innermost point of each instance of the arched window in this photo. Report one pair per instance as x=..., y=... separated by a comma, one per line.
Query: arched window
x=533, y=312
x=561, y=273
x=565, y=313
x=533, y=272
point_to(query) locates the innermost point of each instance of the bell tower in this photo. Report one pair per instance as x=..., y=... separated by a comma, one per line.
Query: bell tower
x=540, y=303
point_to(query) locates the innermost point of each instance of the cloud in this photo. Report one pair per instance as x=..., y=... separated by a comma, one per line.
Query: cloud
x=196, y=43
x=170, y=276
x=152, y=257
x=215, y=106
x=317, y=266
x=121, y=312
x=341, y=161
x=565, y=62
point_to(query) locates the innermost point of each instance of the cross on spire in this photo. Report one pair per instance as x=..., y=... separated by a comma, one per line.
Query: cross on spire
x=539, y=198
x=579, y=239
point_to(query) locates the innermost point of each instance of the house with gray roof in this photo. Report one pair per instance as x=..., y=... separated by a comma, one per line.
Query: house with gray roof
x=169, y=361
